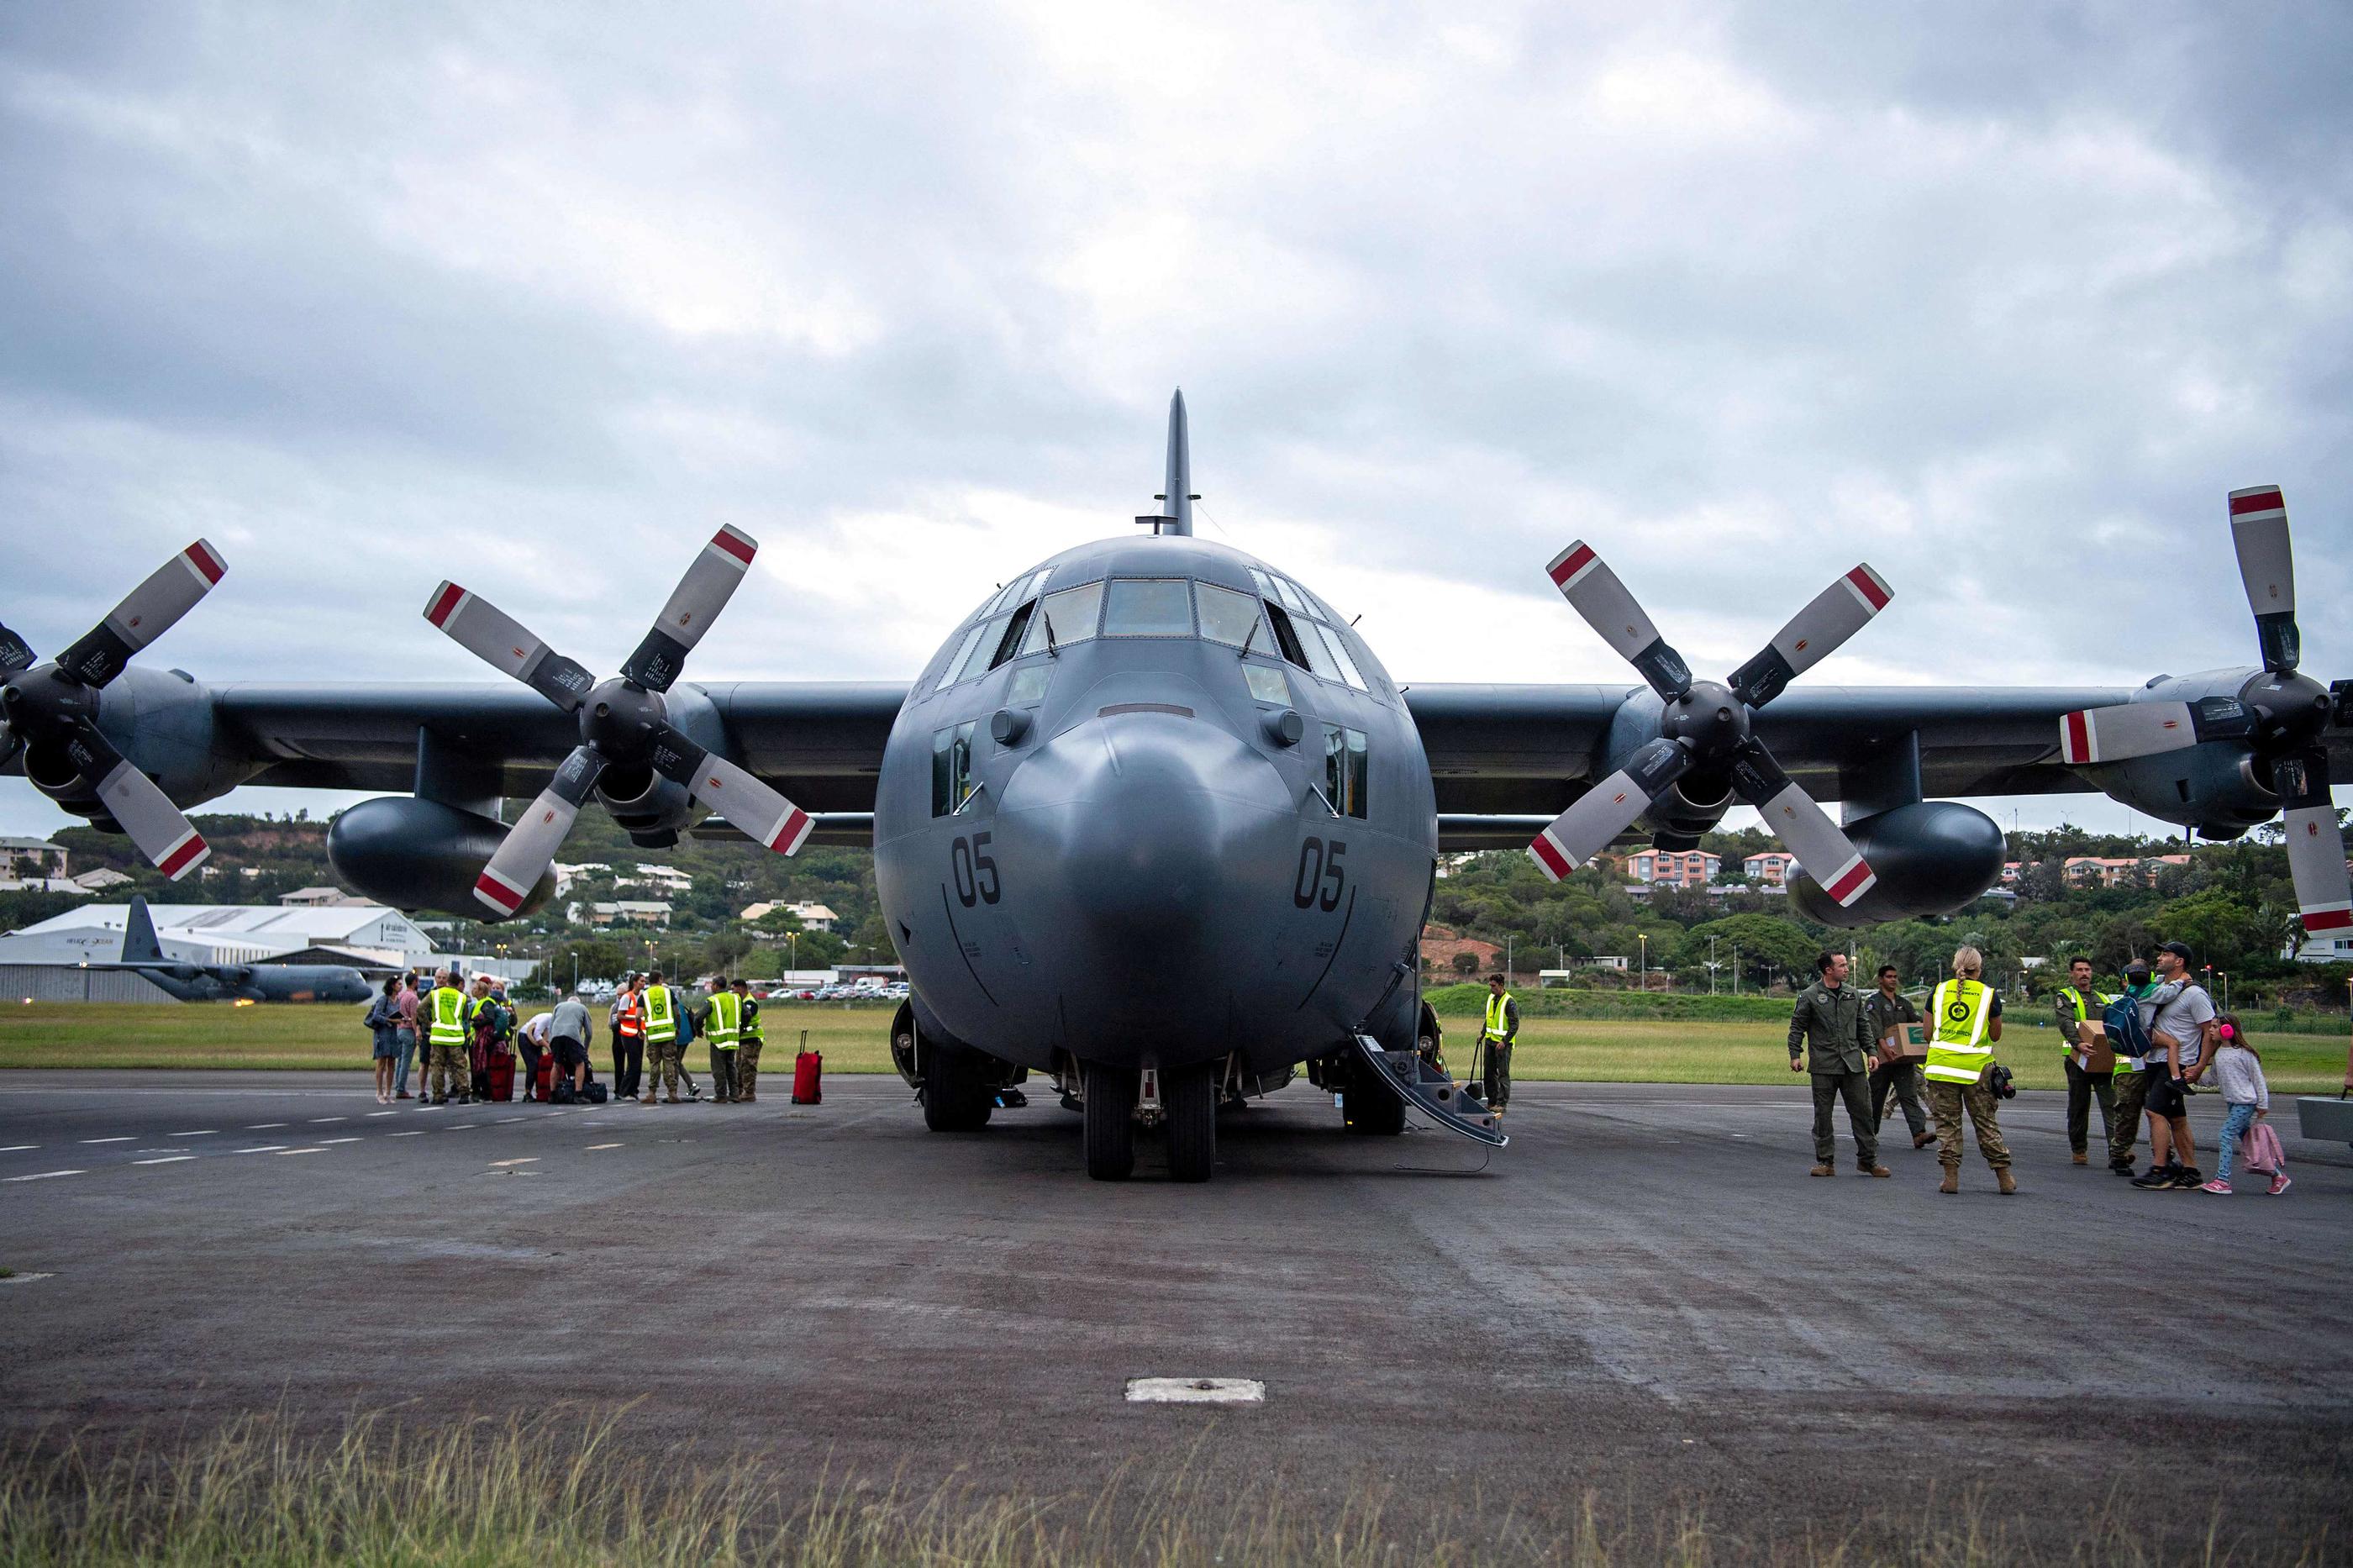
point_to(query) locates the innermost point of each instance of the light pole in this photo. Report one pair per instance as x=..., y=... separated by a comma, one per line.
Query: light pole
x=1735, y=969
x=1642, y=945
x=1711, y=966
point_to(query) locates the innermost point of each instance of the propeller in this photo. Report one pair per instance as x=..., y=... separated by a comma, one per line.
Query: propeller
x=2280, y=715
x=1706, y=728
x=57, y=705
x=623, y=722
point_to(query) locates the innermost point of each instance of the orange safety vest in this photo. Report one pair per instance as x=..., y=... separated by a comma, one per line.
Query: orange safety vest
x=632, y=1019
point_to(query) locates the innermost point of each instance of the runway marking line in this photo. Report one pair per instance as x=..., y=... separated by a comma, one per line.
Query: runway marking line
x=460, y=1126
x=199, y=1132
x=166, y=1160
x=44, y=1176
x=324, y=1142
x=123, y=1138
x=263, y=1126
x=265, y=1149
x=594, y=1146
x=321, y=1120
x=412, y=1133
x=526, y=1159
x=18, y=1148
x=504, y=1120
x=314, y=1148
x=1195, y=1391
x=376, y=1113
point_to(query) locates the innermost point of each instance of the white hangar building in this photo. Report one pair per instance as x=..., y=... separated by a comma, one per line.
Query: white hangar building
x=226, y=933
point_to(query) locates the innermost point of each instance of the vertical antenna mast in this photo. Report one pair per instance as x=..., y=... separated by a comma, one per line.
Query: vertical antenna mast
x=1179, y=493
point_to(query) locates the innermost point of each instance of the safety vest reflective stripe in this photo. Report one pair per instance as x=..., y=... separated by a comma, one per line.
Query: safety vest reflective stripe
x=1495, y=1020
x=1956, y=1054
x=661, y=1025
x=751, y=1030
x=450, y=1011
x=629, y=1015
x=725, y=1016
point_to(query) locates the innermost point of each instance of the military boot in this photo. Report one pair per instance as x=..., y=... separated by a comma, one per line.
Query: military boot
x=2002, y=1179
x=1952, y=1180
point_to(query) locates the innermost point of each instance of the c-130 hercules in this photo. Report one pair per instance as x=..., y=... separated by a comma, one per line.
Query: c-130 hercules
x=1154, y=820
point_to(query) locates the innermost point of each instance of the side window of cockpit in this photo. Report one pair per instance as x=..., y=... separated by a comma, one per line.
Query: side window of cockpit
x=1267, y=684
x=951, y=768
x=1069, y=615
x=1148, y=607
x=1344, y=767
x=1028, y=684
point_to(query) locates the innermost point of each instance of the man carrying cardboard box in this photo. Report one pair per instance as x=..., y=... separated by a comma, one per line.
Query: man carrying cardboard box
x=1895, y=1063
x=2091, y=1065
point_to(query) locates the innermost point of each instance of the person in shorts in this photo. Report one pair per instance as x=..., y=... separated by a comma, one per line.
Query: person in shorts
x=2184, y=1030
x=567, y=1033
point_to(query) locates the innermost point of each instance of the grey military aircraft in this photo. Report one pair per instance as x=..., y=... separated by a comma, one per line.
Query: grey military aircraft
x=189, y=980
x=1154, y=820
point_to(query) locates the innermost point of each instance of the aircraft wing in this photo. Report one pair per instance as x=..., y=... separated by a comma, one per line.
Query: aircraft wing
x=1499, y=750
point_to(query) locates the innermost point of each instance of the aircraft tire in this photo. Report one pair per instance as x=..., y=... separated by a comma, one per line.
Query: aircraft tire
x=956, y=1096
x=1111, y=1123
x=1192, y=1123
x=1374, y=1111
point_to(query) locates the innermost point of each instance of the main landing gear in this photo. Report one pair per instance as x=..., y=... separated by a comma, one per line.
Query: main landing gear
x=1184, y=1100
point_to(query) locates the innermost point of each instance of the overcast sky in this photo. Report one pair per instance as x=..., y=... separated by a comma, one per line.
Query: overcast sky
x=2003, y=298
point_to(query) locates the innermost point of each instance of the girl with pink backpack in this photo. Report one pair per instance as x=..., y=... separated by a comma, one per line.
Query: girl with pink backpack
x=2239, y=1072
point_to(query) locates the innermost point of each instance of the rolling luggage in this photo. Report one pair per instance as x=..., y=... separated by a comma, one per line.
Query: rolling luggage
x=542, y=1082
x=499, y=1069
x=809, y=1067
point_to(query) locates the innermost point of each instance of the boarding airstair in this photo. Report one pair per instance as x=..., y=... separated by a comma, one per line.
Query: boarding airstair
x=1431, y=1091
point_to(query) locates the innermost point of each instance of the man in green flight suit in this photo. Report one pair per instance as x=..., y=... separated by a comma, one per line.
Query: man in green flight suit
x=1829, y=1033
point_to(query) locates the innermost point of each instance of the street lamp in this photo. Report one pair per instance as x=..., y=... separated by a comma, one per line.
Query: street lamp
x=1642, y=945
x=1711, y=966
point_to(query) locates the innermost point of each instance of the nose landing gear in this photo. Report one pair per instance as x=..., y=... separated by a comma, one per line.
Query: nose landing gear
x=1186, y=1104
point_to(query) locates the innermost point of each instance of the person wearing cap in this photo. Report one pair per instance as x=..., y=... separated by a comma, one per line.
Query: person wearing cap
x=2184, y=1030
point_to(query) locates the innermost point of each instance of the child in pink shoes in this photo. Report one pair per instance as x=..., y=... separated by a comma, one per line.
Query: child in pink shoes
x=2247, y=1098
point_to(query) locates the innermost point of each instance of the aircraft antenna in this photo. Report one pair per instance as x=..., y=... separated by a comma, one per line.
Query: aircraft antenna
x=1177, y=493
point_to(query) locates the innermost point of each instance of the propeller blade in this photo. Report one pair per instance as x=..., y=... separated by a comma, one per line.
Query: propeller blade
x=15, y=653
x=1813, y=633
x=2267, y=571
x=1606, y=810
x=147, y=613
x=530, y=846
x=1791, y=815
x=2128, y=730
x=1594, y=592
x=500, y=640
x=693, y=604
x=138, y=805
x=2316, y=845
x=8, y=744
x=718, y=785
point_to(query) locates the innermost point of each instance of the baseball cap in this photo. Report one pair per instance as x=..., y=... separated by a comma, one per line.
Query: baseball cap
x=2180, y=950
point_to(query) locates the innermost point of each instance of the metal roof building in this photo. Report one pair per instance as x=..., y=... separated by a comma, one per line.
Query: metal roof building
x=224, y=933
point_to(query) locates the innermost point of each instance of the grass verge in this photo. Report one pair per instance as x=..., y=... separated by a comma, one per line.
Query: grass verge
x=561, y=1488
x=1592, y=1050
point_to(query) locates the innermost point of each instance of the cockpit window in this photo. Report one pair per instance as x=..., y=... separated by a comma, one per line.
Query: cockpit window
x=1227, y=616
x=1339, y=650
x=1148, y=607
x=1345, y=770
x=980, y=650
x=1070, y=614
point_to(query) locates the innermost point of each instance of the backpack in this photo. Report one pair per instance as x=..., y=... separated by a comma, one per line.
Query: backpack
x=2125, y=1032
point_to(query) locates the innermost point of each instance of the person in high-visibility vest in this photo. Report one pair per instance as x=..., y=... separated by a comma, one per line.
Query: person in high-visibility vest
x=450, y=1017
x=660, y=1012
x=721, y=1025
x=2078, y=1003
x=1964, y=1020
x=747, y=1044
x=628, y=1019
x=1497, y=1032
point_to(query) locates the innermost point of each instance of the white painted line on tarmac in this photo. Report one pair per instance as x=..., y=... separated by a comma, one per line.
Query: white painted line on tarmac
x=259, y=1126
x=24, y=1278
x=199, y=1132
x=319, y=1120
x=1195, y=1391
x=123, y=1138
x=375, y=1113
x=504, y=1120
x=314, y=1148
x=461, y=1126
x=166, y=1160
x=526, y=1159
x=18, y=1148
x=265, y=1149
x=594, y=1146
x=42, y=1175
x=412, y=1133
x=324, y=1142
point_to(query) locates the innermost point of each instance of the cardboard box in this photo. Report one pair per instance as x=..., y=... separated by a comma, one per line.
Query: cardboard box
x=2099, y=1052
x=1909, y=1042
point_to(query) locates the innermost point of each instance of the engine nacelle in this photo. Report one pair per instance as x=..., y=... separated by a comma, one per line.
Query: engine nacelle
x=420, y=855
x=643, y=801
x=1691, y=807
x=2221, y=788
x=51, y=770
x=1933, y=857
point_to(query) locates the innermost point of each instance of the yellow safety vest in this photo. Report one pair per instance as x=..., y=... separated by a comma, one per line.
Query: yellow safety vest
x=1495, y=1020
x=1958, y=1012
x=2083, y=1010
x=726, y=1016
x=661, y=1023
x=450, y=1014
x=751, y=1031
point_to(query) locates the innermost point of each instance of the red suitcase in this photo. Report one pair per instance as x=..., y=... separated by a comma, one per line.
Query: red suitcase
x=502, y=1066
x=543, y=1086
x=808, y=1068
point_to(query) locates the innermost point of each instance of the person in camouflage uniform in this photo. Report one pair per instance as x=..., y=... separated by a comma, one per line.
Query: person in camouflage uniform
x=451, y=1073
x=748, y=1046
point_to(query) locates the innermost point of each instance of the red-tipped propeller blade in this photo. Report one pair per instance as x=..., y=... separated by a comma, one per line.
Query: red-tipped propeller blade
x=501, y=641
x=530, y=846
x=719, y=785
x=1790, y=814
x=1593, y=590
x=138, y=805
x=147, y=613
x=693, y=604
x=1813, y=633
x=1606, y=810
x=2128, y=730
x=2316, y=845
x=2267, y=571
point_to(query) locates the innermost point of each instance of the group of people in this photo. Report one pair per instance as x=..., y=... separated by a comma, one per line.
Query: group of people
x=1854, y=1047
x=460, y=1031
